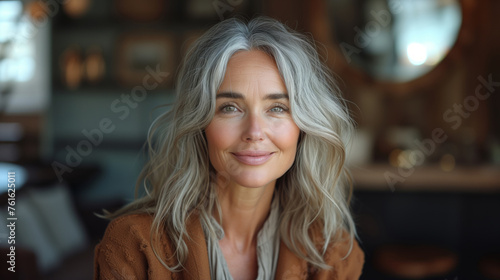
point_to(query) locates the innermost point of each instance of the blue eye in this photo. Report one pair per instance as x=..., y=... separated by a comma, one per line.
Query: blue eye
x=228, y=109
x=277, y=110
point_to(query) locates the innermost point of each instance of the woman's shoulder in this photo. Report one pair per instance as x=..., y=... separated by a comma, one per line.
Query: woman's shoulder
x=130, y=223
x=345, y=256
x=126, y=249
x=343, y=252
x=130, y=220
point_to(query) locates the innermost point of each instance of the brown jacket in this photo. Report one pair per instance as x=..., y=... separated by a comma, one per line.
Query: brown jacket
x=125, y=253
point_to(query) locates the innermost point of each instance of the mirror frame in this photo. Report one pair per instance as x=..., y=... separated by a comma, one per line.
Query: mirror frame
x=318, y=23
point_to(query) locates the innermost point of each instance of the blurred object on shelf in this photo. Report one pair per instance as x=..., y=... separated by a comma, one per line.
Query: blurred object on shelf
x=447, y=163
x=145, y=10
x=95, y=66
x=140, y=55
x=76, y=8
x=415, y=262
x=402, y=146
x=72, y=67
x=394, y=157
x=406, y=158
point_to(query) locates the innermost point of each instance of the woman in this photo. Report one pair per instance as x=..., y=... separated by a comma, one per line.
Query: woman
x=246, y=176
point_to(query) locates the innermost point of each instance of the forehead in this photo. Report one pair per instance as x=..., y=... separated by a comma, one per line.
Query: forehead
x=251, y=58
x=252, y=68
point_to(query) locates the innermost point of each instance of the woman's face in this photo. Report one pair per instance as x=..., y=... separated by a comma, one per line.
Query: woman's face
x=252, y=139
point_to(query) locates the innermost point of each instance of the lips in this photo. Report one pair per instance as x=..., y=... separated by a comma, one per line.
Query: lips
x=253, y=157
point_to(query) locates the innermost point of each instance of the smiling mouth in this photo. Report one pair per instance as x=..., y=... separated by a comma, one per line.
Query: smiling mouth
x=253, y=158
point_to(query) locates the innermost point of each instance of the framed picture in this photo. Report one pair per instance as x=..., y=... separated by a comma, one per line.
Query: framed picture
x=140, y=55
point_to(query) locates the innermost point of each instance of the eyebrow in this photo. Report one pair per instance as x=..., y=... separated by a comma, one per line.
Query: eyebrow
x=236, y=95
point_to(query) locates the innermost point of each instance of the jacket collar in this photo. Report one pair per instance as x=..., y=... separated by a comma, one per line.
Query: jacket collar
x=197, y=266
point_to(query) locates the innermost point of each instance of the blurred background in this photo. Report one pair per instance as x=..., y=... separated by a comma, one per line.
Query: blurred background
x=82, y=80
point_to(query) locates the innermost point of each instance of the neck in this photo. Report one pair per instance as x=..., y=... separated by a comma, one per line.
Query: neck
x=244, y=211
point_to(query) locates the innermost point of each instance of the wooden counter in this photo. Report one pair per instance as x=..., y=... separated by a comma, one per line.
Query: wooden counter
x=381, y=177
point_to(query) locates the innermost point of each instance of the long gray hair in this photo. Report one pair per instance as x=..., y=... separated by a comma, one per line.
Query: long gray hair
x=178, y=178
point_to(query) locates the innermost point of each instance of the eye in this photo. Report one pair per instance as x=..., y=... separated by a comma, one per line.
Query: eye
x=278, y=108
x=227, y=108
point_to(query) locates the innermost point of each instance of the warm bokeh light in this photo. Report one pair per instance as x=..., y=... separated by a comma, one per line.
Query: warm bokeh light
x=447, y=163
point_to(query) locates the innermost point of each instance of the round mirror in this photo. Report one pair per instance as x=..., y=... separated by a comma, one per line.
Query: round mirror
x=395, y=40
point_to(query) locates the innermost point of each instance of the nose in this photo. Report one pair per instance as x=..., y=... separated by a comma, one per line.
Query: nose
x=254, y=128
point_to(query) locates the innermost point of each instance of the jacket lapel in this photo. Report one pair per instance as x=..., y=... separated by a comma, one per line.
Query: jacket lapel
x=197, y=266
x=289, y=265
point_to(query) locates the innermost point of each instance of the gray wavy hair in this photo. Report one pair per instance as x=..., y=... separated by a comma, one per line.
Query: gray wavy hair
x=178, y=178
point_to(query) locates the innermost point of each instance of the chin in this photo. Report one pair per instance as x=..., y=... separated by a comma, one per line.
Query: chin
x=254, y=180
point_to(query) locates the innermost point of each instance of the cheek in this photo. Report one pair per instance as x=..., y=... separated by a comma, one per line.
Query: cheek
x=219, y=138
x=219, y=135
x=286, y=136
